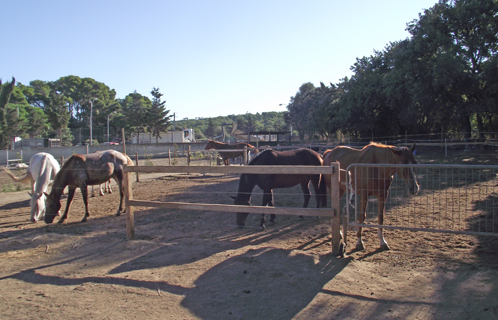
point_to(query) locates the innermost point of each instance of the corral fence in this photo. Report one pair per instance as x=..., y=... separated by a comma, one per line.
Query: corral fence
x=332, y=212
x=459, y=199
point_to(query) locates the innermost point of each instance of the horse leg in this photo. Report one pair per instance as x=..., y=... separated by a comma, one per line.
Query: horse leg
x=119, y=181
x=84, y=194
x=361, y=218
x=381, y=206
x=267, y=201
x=305, y=187
x=70, y=196
x=109, y=189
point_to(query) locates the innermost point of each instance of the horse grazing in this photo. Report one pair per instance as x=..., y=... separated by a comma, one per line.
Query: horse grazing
x=42, y=170
x=227, y=155
x=371, y=181
x=80, y=171
x=268, y=182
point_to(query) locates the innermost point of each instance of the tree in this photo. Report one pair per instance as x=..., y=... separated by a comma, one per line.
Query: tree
x=158, y=119
x=5, y=93
x=300, y=110
x=135, y=108
x=58, y=116
x=459, y=42
x=211, y=129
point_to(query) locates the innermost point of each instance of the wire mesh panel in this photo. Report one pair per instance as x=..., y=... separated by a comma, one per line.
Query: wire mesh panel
x=452, y=198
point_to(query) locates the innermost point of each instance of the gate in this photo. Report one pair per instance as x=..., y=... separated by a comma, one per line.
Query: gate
x=452, y=199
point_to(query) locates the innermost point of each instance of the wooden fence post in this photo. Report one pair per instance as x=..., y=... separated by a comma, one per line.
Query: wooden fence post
x=188, y=155
x=136, y=161
x=169, y=156
x=128, y=193
x=245, y=155
x=336, y=213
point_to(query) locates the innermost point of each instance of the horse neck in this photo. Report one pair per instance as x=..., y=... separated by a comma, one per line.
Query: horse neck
x=246, y=185
x=59, y=184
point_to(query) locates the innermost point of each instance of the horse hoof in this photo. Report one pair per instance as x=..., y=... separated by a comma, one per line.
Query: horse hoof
x=262, y=228
x=118, y=213
x=384, y=247
x=360, y=247
x=83, y=220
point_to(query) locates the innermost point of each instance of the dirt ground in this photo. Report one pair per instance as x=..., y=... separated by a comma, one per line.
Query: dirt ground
x=199, y=265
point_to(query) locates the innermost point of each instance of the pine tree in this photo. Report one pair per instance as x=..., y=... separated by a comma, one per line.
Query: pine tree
x=5, y=92
x=158, y=118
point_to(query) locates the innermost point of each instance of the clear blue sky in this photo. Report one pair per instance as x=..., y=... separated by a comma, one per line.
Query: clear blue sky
x=208, y=58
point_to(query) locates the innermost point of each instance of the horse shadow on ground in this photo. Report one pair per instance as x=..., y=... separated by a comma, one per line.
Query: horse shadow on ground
x=266, y=283
x=486, y=221
x=256, y=284
x=16, y=205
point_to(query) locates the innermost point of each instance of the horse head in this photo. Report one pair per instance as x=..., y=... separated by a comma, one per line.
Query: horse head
x=210, y=145
x=37, y=206
x=52, y=207
x=242, y=199
x=408, y=175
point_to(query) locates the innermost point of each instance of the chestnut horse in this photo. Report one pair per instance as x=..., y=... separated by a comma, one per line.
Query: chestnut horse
x=268, y=182
x=227, y=155
x=372, y=181
x=80, y=171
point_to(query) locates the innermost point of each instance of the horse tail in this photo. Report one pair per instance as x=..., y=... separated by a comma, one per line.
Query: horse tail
x=25, y=179
x=326, y=153
x=129, y=161
x=322, y=191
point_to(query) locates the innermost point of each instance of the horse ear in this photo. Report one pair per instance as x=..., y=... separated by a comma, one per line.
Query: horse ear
x=46, y=194
x=412, y=148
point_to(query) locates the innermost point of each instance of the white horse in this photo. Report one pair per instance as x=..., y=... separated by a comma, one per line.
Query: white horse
x=42, y=170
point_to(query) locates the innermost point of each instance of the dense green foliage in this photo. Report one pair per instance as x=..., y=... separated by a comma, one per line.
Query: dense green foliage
x=443, y=77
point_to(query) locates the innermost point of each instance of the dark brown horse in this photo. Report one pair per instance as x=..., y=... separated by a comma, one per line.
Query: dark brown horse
x=80, y=171
x=227, y=155
x=373, y=181
x=268, y=182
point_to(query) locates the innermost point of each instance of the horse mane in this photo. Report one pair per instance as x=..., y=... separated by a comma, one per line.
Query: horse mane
x=376, y=144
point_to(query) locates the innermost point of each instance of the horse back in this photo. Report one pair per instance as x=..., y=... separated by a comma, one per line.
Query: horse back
x=298, y=157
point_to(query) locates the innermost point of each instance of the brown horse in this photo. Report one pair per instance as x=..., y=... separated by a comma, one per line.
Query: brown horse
x=268, y=182
x=372, y=181
x=80, y=171
x=227, y=155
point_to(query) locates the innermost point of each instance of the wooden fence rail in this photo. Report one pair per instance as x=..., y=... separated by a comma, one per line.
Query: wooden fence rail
x=332, y=212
